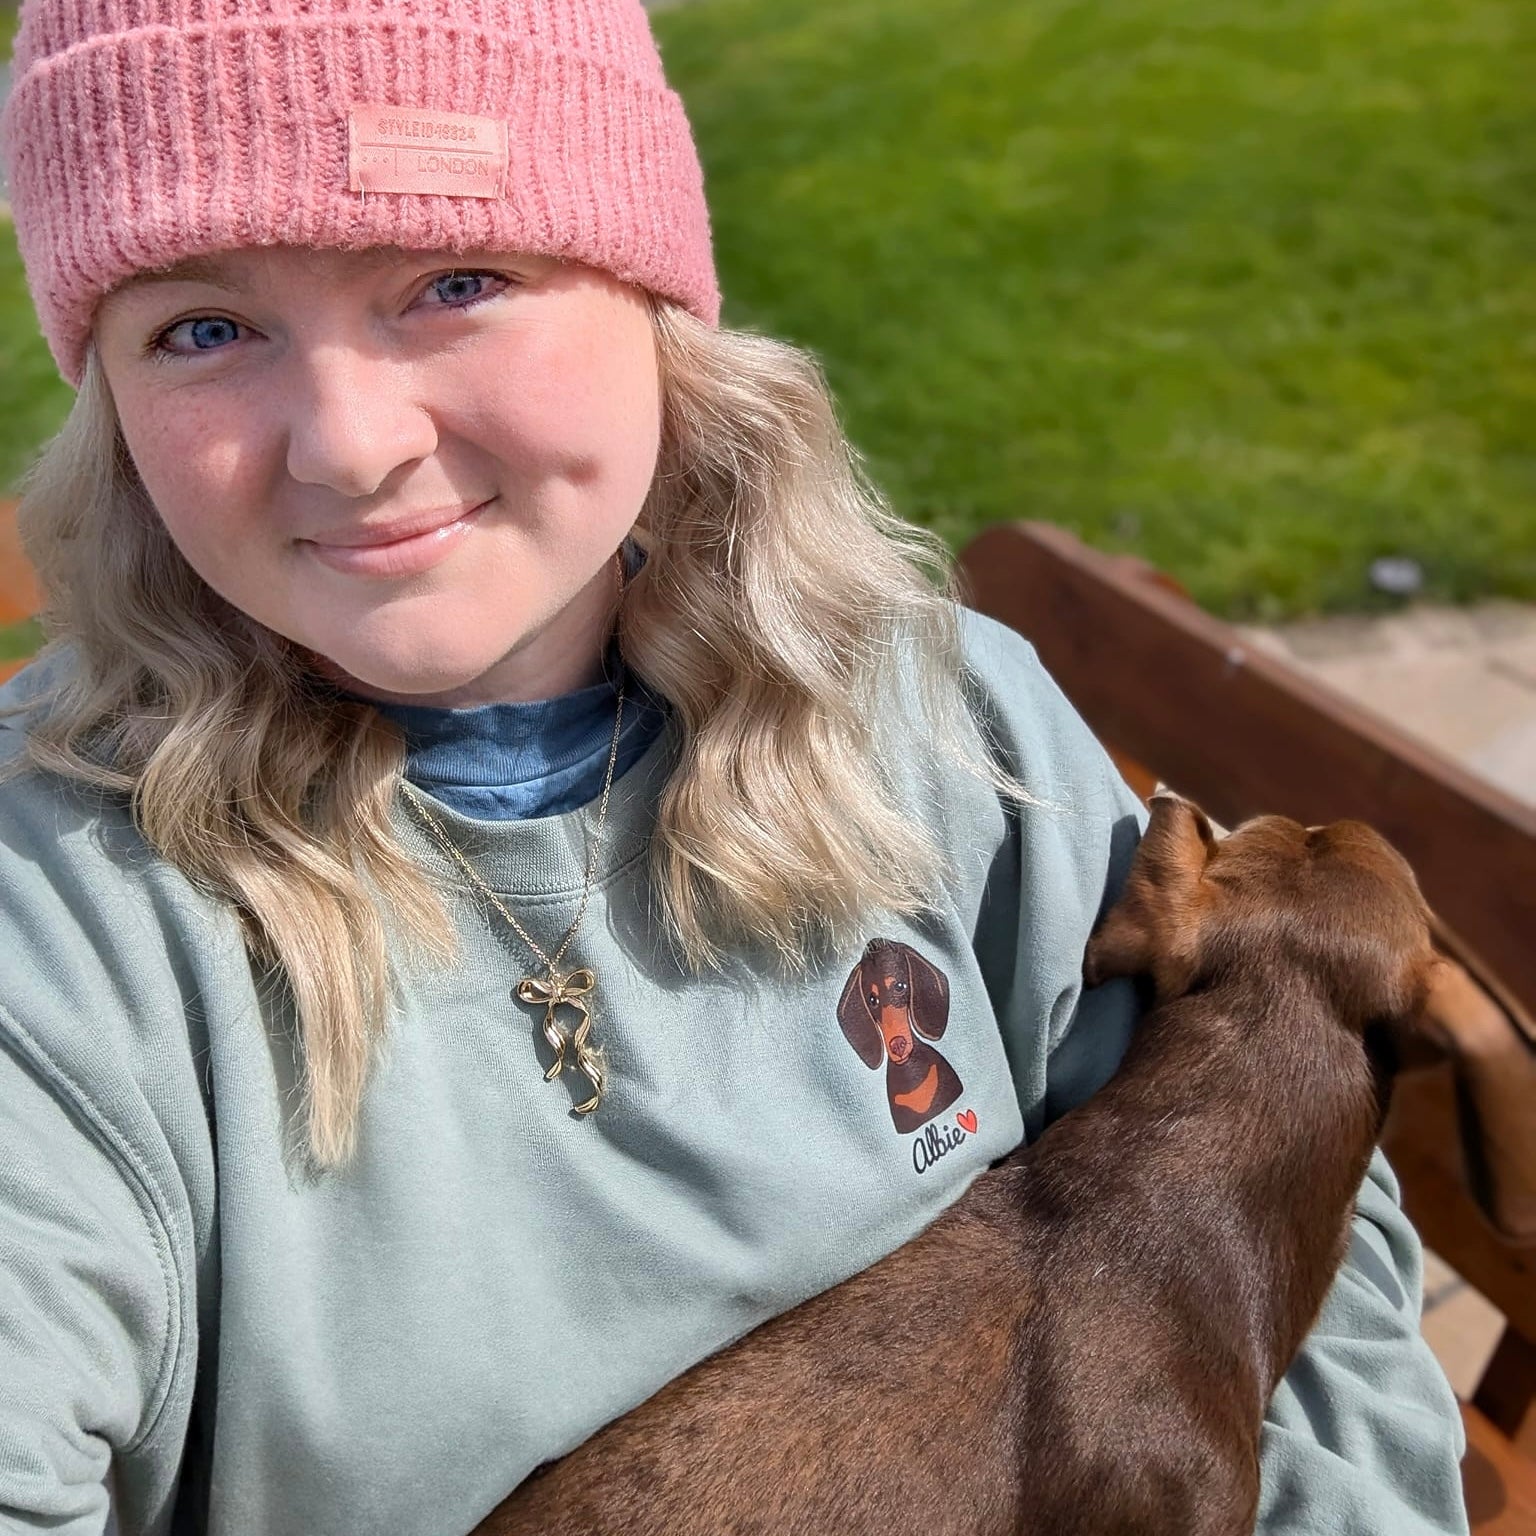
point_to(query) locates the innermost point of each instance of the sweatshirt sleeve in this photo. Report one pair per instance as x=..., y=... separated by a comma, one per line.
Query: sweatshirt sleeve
x=85, y=1312
x=1363, y=1436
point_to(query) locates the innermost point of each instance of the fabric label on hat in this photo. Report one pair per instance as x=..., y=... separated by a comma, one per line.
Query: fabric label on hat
x=406, y=149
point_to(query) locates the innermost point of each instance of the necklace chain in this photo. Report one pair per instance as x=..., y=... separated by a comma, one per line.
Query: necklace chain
x=456, y=853
x=555, y=989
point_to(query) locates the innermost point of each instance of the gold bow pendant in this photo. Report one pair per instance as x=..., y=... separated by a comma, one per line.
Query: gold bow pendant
x=555, y=990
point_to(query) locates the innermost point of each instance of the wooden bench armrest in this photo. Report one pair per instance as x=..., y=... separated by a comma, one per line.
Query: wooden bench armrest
x=1243, y=733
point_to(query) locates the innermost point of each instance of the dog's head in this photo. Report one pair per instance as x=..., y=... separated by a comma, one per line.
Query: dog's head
x=892, y=996
x=1338, y=902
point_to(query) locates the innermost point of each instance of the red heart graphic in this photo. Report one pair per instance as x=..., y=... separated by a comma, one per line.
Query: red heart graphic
x=966, y=1120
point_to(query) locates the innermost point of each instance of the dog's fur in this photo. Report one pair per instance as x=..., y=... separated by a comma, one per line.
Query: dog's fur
x=1084, y=1344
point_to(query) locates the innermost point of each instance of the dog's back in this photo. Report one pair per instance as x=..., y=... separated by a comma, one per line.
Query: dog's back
x=1142, y=1274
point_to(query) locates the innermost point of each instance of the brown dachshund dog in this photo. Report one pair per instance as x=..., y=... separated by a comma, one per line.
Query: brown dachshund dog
x=1138, y=1279
x=893, y=997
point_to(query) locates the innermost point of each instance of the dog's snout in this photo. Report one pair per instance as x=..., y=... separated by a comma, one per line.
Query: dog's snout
x=900, y=1047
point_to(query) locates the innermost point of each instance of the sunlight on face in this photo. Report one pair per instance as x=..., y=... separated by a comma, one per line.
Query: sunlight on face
x=417, y=466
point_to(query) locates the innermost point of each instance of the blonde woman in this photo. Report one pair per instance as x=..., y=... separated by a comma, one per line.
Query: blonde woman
x=488, y=731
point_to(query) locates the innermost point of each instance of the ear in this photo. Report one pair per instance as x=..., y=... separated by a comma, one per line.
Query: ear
x=860, y=1030
x=1154, y=927
x=1456, y=1017
x=930, y=995
x=1177, y=844
x=1424, y=1000
x=1425, y=1037
x=1121, y=946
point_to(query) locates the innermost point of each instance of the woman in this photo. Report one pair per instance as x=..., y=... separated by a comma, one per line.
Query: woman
x=488, y=724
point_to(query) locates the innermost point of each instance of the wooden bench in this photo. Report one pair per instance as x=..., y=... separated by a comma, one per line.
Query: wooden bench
x=1182, y=699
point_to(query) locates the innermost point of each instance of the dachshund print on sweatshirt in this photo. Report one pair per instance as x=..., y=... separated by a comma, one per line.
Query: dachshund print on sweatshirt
x=894, y=1002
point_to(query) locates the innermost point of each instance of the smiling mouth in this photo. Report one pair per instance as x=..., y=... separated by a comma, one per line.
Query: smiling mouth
x=399, y=531
x=401, y=548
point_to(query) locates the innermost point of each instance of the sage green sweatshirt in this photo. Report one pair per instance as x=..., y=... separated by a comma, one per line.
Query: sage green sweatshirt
x=252, y=1350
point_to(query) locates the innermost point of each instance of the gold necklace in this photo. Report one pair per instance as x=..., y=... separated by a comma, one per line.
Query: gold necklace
x=555, y=988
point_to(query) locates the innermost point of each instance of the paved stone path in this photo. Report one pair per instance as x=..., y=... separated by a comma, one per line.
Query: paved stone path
x=1462, y=679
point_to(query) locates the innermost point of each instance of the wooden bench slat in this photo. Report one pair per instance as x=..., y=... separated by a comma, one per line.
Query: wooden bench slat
x=1242, y=733
x=1421, y=1142
x=1507, y=1392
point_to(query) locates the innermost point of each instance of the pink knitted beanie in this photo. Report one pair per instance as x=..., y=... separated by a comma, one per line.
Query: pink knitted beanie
x=141, y=132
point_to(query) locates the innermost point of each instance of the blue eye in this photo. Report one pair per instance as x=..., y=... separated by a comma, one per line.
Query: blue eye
x=462, y=290
x=206, y=333
x=458, y=285
x=212, y=331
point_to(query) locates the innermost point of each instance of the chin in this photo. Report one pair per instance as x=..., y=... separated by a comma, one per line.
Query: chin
x=408, y=682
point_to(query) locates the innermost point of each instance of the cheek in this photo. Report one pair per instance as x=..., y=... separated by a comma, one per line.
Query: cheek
x=624, y=395
x=585, y=408
x=195, y=467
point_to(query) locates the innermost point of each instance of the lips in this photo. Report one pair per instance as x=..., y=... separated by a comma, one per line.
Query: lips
x=371, y=536
x=405, y=546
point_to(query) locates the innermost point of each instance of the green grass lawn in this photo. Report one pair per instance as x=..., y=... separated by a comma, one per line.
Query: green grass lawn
x=1246, y=289
x=33, y=398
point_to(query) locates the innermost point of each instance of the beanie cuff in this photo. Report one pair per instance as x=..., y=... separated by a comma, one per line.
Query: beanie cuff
x=137, y=149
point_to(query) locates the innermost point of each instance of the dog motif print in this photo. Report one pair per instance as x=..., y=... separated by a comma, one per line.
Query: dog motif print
x=895, y=1001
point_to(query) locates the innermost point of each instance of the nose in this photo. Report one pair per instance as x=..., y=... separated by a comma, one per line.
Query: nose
x=353, y=420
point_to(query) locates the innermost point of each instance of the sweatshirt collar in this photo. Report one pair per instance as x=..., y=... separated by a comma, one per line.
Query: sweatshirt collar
x=539, y=758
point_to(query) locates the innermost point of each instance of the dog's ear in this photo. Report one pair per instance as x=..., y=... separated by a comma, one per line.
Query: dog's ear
x=930, y=995
x=1414, y=991
x=1370, y=933
x=1176, y=846
x=1122, y=945
x=858, y=1025
x=1453, y=1006
x=1495, y=1075
x=1155, y=926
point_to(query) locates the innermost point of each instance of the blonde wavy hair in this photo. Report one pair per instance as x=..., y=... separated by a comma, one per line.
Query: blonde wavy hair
x=780, y=610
